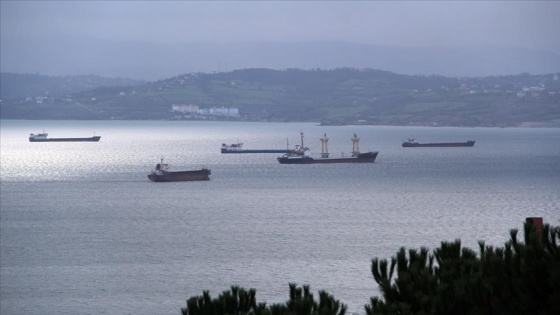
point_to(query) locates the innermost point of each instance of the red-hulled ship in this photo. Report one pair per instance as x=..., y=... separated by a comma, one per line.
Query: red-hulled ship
x=162, y=174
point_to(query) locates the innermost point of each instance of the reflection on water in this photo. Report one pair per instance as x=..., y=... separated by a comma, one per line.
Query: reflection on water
x=83, y=230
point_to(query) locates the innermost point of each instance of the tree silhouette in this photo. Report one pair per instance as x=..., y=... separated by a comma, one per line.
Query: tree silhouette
x=239, y=301
x=520, y=278
x=516, y=279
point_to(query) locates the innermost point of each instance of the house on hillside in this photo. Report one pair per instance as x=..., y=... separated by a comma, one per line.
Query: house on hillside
x=221, y=111
x=185, y=108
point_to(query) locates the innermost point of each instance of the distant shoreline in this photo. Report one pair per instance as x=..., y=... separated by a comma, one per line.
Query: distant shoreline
x=521, y=125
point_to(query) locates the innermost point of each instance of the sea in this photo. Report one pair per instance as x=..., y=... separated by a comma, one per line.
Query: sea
x=83, y=230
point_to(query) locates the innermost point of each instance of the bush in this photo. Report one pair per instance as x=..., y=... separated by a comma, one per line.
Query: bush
x=520, y=278
x=239, y=301
x=516, y=279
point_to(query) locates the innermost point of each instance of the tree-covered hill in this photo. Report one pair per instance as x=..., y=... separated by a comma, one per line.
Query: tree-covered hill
x=339, y=96
x=21, y=86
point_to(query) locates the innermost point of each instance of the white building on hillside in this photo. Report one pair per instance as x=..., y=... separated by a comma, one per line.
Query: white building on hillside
x=185, y=108
x=221, y=111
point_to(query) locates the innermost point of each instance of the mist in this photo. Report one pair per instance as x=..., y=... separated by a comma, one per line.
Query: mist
x=156, y=40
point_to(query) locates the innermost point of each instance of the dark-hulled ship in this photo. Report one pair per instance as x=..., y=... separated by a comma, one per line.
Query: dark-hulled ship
x=411, y=143
x=162, y=174
x=302, y=155
x=44, y=137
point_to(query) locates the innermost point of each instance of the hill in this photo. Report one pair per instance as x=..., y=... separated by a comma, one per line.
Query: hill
x=339, y=96
x=15, y=85
x=69, y=55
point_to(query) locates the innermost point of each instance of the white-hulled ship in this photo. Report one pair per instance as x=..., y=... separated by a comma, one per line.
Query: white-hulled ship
x=44, y=137
x=238, y=148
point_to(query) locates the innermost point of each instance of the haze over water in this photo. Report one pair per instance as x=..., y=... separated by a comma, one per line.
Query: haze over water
x=83, y=230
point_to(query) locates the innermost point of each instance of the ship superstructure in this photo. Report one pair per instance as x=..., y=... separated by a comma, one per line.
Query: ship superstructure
x=302, y=154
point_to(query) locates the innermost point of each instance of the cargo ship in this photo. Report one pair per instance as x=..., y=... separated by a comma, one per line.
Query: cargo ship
x=238, y=148
x=162, y=174
x=302, y=155
x=411, y=143
x=44, y=137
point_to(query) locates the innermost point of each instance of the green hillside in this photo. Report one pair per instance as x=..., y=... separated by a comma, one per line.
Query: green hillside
x=340, y=96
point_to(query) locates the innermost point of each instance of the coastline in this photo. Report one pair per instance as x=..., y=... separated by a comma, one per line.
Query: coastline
x=528, y=124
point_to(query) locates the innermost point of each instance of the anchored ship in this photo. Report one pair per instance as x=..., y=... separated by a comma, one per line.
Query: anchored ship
x=302, y=155
x=44, y=137
x=238, y=148
x=162, y=174
x=411, y=143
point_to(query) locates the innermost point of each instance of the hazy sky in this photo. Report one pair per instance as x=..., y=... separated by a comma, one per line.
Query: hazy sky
x=533, y=25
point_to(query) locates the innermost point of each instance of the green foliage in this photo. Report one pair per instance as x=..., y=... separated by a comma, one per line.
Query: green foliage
x=520, y=278
x=235, y=301
x=13, y=85
x=239, y=301
x=373, y=96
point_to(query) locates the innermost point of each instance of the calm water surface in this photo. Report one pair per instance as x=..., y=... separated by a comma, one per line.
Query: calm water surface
x=83, y=231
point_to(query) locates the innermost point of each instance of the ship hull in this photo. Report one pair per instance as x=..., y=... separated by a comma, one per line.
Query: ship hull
x=181, y=176
x=224, y=151
x=438, y=145
x=90, y=139
x=368, y=157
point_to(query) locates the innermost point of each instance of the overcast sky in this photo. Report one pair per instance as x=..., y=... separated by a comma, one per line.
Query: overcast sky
x=533, y=25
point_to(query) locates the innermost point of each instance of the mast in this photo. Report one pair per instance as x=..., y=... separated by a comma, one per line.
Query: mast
x=355, y=145
x=324, y=146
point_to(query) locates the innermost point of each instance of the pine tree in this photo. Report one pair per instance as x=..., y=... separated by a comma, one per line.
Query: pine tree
x=520, y=278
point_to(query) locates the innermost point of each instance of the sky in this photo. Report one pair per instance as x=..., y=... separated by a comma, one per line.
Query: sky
x=42, y=36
